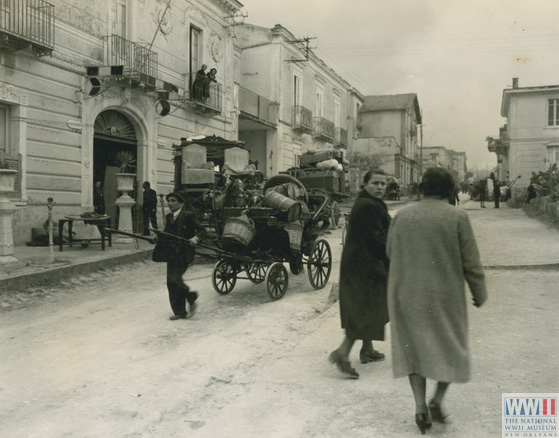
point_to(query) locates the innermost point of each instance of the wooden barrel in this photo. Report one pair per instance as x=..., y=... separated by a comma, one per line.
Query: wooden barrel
x=281, y=202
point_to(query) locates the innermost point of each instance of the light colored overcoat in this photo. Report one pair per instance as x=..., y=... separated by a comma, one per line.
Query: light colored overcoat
x=432, y=250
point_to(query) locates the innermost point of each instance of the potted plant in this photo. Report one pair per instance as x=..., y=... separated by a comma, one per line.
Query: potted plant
x=7, y=176
x=126, y=162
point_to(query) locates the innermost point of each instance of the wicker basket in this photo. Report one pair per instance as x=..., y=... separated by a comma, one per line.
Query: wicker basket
x=295, y=232
x=240, y=229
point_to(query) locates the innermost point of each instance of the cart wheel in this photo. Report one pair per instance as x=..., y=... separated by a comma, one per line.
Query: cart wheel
x=256, y=272
x=319, y=264
x=277, y=280
x=224, y=277
x=335, y=214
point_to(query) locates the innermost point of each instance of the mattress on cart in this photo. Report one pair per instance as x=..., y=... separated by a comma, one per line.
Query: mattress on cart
x=197, y=176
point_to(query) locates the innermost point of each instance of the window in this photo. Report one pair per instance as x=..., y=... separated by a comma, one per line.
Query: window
x=4, y=130
x=8, y=150
x=319, y=102
x=120, y=21
x=552, y=155
x=553, y=112
x=296, y=90
x=195, y=49
x=337, y=111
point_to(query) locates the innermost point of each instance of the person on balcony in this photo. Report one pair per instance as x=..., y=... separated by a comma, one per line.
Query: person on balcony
x=199, y=86
x=209, y=79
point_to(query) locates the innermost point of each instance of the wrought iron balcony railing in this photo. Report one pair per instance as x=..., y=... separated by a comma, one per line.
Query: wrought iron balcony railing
x=257, y=107
x=324, y=129
x=302, y=119
x=207, y=94
x=341, y=137
x=140, y=63
x=27, y=24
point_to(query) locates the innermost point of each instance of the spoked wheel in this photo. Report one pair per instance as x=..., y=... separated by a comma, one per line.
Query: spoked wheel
x=335, y=214
x=256, y=272
x=277, y=280
x=224, y=277
x=319, y=264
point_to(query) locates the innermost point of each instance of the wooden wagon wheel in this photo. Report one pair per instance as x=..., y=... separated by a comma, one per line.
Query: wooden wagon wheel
x=224, y=276
x=277, y=280
x=319, y=264
x=256, y=272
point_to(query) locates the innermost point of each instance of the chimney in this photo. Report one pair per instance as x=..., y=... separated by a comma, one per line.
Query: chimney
x=514, y=82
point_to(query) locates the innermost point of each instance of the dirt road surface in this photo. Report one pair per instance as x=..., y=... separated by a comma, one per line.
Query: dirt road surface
x=98, y=357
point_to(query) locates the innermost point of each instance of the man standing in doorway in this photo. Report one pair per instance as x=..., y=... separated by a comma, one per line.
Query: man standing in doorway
x=186, y=226
x=98, y=199
x=149, y=207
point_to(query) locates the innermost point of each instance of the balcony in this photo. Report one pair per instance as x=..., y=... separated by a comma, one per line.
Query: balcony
x=257, y=108
x=302, y=119
x=140, y=64
x=341, y=138
x=27, y=24
x=324, y=129
x=208, y=98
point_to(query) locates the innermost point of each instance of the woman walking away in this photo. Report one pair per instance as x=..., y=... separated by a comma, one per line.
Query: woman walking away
x=432, y=250
x=363, y=272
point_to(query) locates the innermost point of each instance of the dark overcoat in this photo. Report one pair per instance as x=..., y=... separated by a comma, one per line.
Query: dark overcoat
x=186, y=225
x=363, y=271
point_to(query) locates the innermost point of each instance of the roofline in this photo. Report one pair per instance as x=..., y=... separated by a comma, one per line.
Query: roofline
x=507, y=92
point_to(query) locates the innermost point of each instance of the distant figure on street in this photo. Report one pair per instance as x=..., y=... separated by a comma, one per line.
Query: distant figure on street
x=181, y=252
x=149, y=207
x=98, y=199
x=363, y=272
x=455, y=198
x=432, y=252
x=496, y=189
x=531, y=192
x=482, y=187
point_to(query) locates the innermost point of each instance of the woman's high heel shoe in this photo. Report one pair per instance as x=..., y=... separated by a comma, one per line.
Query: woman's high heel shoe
x=436, y=412
x=423, y=422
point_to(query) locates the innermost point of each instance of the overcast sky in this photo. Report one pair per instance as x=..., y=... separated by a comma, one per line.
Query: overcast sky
x=457, y=56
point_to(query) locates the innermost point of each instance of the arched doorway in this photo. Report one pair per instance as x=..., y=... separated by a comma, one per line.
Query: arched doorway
x=113, y=133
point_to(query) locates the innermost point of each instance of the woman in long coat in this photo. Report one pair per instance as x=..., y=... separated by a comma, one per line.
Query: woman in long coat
x=432, y=250
x=363, y=272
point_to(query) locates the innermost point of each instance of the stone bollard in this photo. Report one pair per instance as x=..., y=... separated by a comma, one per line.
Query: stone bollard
x=50, y=203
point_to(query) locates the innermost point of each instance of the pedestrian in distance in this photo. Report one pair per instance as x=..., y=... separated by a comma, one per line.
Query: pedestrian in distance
x=363, y=274
x=482, y=185
x=496, y=189
x=531, y=193
x=180, y=254
x=432, y=252
x=455, y=197
x=149, y=207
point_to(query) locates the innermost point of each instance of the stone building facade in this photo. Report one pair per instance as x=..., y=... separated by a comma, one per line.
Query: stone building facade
x=63, y=121
x=529, y=141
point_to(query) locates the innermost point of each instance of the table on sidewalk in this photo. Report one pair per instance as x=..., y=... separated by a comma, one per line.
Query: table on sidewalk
x=102, y=222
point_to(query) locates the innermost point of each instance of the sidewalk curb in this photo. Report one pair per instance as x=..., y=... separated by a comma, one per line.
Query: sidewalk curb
x=551, y=266
x=52, y=276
